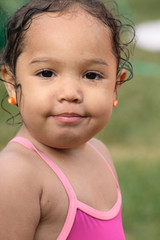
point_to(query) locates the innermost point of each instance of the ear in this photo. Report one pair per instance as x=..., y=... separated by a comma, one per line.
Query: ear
x=120, y=79
x=9, y=80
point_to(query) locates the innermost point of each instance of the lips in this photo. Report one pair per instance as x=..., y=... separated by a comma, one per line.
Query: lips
x=68, y=118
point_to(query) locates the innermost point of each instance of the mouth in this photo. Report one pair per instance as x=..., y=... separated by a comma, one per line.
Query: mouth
x=71, y=118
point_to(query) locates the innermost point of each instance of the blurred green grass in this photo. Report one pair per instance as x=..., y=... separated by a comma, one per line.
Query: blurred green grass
x=141, y=198
x=132, y=135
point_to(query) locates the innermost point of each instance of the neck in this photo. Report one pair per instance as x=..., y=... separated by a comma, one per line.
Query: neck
x=23, y=132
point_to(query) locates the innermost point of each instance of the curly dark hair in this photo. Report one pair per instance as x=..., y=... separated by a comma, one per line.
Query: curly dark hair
x=20, y=22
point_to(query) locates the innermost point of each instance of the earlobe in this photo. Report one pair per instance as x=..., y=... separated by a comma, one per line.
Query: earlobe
x=9, y=80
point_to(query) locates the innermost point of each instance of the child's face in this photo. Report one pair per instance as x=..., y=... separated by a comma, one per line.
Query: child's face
x=68, y=75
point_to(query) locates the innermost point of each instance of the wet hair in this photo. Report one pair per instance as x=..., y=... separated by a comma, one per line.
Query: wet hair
x=20, y=22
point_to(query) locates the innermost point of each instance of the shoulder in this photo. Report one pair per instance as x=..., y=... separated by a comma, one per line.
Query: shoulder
x=19, y=196
x=102, y=148
x=17, y=170
x=16, y=160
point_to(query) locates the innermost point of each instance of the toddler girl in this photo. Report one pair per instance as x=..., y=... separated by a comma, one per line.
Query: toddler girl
x=62, y=66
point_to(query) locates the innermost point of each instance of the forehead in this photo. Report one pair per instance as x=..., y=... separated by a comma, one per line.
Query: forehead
x=67, y=32
x=70, y=16
x=72, y=22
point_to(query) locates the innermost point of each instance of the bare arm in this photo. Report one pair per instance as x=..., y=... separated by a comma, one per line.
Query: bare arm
x=19, y=199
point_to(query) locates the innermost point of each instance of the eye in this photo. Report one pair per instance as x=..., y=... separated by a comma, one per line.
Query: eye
x=46, y=74
x=93, y=76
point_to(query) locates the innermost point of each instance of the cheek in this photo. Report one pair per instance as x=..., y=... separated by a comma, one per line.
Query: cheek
x=31, y=105
x=102, y=108
x=101, y=114
x=33, y=96
x=103, y=100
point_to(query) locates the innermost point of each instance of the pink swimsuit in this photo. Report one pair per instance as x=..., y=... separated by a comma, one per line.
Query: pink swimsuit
x=84, y=222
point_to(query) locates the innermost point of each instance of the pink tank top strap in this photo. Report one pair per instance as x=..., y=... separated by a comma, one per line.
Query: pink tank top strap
x=68, y=188
x=105, y=160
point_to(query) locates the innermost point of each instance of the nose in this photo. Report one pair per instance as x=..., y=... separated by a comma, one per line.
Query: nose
x=70, y=91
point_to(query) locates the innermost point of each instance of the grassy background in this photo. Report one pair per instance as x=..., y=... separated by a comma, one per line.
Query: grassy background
x=132, y=135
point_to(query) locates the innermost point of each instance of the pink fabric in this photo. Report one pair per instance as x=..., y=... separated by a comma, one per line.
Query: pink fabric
x=84, y=222
x=86, y=227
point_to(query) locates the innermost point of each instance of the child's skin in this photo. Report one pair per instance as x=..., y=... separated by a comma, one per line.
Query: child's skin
x=62, y=108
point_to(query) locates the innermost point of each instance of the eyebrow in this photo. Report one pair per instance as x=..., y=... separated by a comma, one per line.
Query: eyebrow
x=87, y=61
x=96, y=61
x=41, y=60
